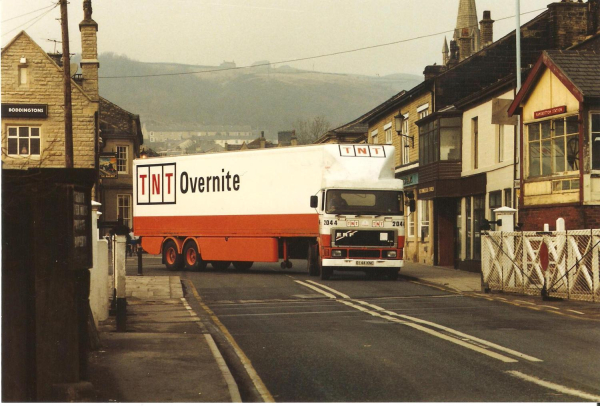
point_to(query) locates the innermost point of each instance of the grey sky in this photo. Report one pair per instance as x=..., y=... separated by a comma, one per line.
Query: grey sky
x=208, y=32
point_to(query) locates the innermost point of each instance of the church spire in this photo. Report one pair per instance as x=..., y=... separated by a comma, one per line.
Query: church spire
x=467, y=27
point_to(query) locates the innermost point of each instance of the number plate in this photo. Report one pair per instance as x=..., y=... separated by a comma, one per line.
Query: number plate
x=377, y=223
x=352, y=223
x=365, y=263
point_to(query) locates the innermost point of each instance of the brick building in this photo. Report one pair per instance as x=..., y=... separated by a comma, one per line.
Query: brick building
x=559, y=106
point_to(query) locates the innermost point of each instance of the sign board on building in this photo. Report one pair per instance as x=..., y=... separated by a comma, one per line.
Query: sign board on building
x=550, y=112
x=107, y=164
x=409, y=180
x=24, y=110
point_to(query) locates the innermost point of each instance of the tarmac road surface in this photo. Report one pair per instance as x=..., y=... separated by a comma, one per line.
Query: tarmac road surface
x=356, y=339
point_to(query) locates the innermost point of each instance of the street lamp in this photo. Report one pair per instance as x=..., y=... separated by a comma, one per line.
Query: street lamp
x=398, y=124
x=143, y=154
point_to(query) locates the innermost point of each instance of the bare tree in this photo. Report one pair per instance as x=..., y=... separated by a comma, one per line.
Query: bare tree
x=307, y=130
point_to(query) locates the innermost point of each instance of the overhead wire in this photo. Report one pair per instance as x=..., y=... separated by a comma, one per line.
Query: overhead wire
x=36, y=18
x=298, y=59
x=26, y=14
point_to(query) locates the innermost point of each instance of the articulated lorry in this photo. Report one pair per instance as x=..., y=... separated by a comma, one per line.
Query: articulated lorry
x=338, y=206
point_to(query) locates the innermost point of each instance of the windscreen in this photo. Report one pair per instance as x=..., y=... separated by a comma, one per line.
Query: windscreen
x=377, y=202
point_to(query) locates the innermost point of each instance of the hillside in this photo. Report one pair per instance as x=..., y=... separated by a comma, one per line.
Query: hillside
x=263, y=97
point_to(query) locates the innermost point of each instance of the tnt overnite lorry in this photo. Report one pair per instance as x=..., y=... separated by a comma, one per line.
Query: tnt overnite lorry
x=339, y=206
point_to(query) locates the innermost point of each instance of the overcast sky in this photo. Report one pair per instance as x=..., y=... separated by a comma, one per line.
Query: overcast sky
x=208, y=32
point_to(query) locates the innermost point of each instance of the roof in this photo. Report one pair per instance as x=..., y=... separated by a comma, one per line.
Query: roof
x=577, y=70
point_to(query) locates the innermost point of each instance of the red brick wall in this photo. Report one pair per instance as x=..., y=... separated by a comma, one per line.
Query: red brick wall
x=576, y=217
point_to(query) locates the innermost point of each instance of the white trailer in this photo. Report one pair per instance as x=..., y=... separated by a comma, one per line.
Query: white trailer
x=339, y=206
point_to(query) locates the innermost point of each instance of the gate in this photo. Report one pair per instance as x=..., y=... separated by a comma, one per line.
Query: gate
x=561, y=264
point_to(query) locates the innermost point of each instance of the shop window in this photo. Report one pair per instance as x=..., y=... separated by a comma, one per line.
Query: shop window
x=595, y=147
x=553, y=146
x=24, y=141
x=469, y=242
x=122, y=159
x=495, y=202
x=459, y=229
x=124, y=209
x=475, y=211
x=423, y=213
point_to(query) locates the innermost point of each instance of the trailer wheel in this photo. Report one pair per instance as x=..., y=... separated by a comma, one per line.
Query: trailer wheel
x=220, y=265
x=192, y=258
x=326, y=272
x=313, y=260
x=172, y=259
x=242, y=265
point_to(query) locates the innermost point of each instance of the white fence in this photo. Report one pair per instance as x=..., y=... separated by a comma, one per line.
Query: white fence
x=562, y=264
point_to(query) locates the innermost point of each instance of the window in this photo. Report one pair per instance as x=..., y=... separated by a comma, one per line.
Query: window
x=23, y=75
x=495, y=202
x=439, y=140
x=508, y=197
x=122, y=159
x=595, y=124
x=405, y=141
x=24, y=141
x=423, y=110
x=374, y=139
x=124, y=209
x=423, y=219
x=553, y=146
x=475, y=141
x=378, y=202
x=475, y=211
x=388, y=133
x=500, y=143
x=469, y=227
x=410, y=224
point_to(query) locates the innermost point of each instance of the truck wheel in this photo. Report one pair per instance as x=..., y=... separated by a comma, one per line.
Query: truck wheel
x=326, y=272
x=191, y=257
x=313, y=260
x=242, y=265
x=172, y=259
x=220, y=265
x=393, y=274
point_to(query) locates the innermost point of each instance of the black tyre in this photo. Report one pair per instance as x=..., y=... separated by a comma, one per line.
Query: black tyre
x=220, y=265
x=326, y=273
x=242, y=265
x=392, y=274
x=172, y=259
x=192, y=259
x=313, y=260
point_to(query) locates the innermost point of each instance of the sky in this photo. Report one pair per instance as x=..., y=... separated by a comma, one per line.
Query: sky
x=209, y=32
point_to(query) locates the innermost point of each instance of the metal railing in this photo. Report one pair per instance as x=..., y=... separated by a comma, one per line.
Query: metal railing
x=561, y=264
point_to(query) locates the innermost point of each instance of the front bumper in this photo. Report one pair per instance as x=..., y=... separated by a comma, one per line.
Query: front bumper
x=362, y=263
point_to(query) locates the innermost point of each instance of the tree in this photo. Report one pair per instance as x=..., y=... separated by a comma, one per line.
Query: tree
x=307, y=130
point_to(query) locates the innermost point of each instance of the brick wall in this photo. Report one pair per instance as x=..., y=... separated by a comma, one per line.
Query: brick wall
x=569, y=22
x=45, y=86
x=576, y=217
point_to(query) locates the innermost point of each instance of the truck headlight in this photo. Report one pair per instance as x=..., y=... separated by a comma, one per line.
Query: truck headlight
x=391, y=254
x=336, y=253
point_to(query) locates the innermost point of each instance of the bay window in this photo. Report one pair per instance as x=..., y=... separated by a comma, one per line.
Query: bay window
x=553, y=146
x=440, y=140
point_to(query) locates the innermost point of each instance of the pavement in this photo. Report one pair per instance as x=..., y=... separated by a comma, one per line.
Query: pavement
x=167, y=354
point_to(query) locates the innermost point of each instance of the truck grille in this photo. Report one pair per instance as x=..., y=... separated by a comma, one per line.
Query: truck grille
x=363, y=238
x=365, y=254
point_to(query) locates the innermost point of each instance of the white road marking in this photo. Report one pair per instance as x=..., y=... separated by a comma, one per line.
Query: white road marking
x=575, y=311
x=388, y=316
x=554, y=386
x=329, y=295
x=234, y=391
x=433, y=333
x=523, y=301
x=549, y=307
x=329, y=289
x=456, y=332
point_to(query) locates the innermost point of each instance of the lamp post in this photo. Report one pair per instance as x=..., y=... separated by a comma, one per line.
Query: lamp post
x=398, y=123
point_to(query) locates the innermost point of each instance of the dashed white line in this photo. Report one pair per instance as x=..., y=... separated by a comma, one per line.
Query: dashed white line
x=554, y=386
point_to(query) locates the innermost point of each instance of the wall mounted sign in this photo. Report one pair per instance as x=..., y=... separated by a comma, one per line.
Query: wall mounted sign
x=25, y=110
x=107, y=163
x=550, y=112
x=410, y=180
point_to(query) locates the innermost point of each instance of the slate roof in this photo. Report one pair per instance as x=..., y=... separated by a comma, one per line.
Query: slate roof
x=582, y=69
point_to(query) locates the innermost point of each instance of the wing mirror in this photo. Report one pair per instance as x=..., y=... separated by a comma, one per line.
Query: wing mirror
x=314, y=202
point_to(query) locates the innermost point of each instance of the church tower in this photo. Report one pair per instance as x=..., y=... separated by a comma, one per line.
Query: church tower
x=466, y=33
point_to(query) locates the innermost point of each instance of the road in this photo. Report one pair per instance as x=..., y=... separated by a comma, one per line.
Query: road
x=355, y=339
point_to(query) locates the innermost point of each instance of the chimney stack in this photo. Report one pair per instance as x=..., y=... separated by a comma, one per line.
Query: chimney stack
x=568, y=22
x=89, y=52
x=487, y=29
x=294, y=140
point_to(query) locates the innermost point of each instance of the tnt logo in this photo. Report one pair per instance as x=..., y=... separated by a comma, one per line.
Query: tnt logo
x=156, y=184
x=362, y=151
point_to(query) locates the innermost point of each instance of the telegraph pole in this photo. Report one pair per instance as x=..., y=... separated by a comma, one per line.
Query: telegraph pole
x=64, y=23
